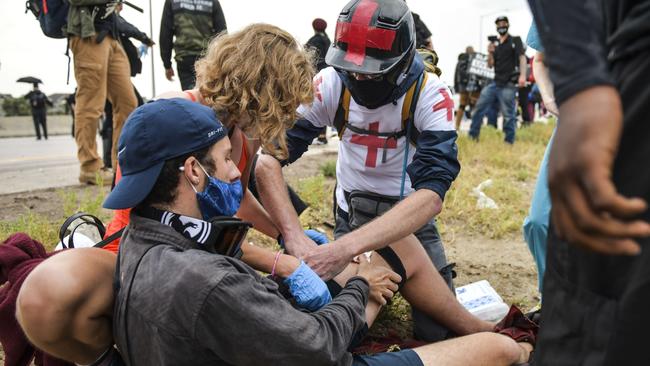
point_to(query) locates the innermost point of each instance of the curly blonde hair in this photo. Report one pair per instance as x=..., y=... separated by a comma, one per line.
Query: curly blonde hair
x=260, y=72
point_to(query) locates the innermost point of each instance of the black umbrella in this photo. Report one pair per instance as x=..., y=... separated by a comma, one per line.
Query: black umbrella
x=30, y=80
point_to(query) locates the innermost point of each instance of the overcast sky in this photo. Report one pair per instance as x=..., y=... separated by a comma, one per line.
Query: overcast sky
x=455, y=24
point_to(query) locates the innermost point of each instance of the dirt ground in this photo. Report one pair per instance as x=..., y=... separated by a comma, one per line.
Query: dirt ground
x=506, y=264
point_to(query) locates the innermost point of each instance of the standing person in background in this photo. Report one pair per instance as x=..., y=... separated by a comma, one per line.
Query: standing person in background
x=126, y=31
x=101, y=70
x=509, y=62
x=70, y=102
x=523, y=92
x=320, y=43
x=465, y=84
x=39, y=102
x=187, y=26
x=422, y=33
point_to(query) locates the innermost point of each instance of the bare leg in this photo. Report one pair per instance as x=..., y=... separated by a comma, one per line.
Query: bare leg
x=72, y=294
x=459, y=116
x=480, y=349
x=427, y=291
x=424, y=289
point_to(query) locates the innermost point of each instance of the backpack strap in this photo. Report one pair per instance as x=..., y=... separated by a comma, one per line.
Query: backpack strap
x=410, y=103
x=408, y=111
x=110, y=238
x=343, y=111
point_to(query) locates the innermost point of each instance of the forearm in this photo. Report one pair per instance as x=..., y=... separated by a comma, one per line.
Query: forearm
x=543, y=80
x=522, y=66
x=262, y=259
x=420, y=207
x=490, y=59
x=251, y=210
x=275, y=197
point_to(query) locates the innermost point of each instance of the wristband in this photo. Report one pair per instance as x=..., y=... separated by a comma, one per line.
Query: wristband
x=275, y=262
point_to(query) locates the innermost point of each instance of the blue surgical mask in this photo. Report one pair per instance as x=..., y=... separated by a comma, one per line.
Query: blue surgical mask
x=219, y=198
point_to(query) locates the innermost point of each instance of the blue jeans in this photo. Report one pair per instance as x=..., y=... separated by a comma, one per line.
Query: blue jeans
x=493, y=113
x=405, y=357
x=536, y=223
x=506, y=97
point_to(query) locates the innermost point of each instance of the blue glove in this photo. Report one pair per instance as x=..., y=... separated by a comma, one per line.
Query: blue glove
x=318, y=237
x=307, y=288
x=143, y=50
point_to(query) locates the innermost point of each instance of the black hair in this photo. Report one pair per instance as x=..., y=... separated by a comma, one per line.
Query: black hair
x=165, y=189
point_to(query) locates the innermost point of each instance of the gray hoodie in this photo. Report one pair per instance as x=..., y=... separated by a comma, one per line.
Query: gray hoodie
x=180, y=305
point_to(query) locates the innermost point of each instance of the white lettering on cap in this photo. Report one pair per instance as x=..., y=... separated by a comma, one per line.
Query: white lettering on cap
x=212, y=133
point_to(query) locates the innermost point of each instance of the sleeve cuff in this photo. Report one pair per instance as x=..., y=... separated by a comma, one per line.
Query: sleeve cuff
x=437, y=186
x=568, y=90
x=360, y=281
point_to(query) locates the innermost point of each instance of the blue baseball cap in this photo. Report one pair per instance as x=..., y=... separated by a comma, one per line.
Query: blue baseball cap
x=154, y=133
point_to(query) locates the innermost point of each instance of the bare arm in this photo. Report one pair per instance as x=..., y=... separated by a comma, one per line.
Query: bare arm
x=544, y=82
x=419, y=207
x=251, y=210
x=522, y=67
x=523, y=63
x=262, y=259
x=275, y=197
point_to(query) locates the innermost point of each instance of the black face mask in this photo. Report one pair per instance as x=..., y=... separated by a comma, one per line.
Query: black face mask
x=371, y=93
x=502, y=30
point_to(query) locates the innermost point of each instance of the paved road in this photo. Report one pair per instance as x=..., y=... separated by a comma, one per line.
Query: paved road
x=27, y=164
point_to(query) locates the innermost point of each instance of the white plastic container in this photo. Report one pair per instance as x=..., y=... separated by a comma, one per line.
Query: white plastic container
x=480, y=299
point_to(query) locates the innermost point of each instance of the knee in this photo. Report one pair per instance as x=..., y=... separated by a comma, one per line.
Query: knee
x=505, y=349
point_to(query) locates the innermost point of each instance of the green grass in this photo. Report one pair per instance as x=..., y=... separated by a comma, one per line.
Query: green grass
x=45, y=228
x=513, y=171
x=328, y=169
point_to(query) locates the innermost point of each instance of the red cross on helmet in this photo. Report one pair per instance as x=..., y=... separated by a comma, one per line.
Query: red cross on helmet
x=372, y=37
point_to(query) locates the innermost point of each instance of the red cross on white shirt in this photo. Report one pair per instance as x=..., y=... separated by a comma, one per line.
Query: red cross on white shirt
x=447, y=103
x=373, y=143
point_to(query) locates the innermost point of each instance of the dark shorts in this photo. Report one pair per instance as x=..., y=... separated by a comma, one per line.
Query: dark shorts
x=405, y=357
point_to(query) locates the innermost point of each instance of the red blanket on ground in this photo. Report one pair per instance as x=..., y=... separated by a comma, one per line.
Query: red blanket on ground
x=19, y=254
